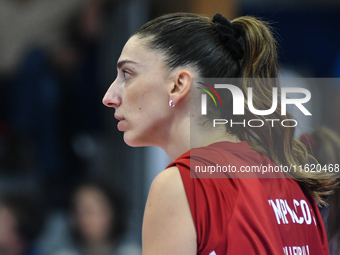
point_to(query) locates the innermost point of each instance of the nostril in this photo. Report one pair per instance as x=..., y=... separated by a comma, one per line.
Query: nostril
x=111, y=101
x=105, y=101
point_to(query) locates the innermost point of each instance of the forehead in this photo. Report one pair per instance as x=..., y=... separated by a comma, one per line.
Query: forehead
x=136, y=50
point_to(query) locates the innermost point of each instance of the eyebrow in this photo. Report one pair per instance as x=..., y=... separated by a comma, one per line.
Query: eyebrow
x=121, y=63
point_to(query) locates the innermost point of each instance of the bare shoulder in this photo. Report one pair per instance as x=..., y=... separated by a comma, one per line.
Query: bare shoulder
x=168, y=183
x=168, y=227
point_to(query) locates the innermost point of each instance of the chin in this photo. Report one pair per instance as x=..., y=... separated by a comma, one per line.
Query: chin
x=133, y=142
x=136, y=142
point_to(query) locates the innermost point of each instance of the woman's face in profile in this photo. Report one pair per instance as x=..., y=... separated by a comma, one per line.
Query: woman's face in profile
x=140, y=94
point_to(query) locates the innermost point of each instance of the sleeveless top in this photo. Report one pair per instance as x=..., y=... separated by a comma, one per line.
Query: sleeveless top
x=248, y=215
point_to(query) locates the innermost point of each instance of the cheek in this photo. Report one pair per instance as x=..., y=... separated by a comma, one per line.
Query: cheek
x=146, y=99
x=134, y=98
x=138, y=101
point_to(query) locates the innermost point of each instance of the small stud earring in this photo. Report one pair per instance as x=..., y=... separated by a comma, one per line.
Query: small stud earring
x=170, y=103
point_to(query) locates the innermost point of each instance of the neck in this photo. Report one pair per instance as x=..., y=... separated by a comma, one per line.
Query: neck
x=183, y=137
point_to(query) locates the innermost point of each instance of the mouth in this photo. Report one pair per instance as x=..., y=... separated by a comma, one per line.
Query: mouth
x=121, y=125
x=119, y=118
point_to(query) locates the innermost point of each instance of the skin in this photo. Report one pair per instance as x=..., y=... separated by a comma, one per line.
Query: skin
x=10, y=241
x=94, y=215
x=140, y=96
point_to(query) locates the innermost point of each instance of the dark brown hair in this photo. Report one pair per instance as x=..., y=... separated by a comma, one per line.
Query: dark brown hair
x=191, y=39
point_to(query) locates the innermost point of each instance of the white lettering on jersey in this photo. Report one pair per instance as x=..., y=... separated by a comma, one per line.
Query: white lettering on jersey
x=296, y=250
x=282, y=210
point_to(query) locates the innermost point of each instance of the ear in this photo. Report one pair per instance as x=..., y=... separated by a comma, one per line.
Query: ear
x=181, y=86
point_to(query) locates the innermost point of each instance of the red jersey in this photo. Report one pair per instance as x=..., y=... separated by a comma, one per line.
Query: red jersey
x=245, y=216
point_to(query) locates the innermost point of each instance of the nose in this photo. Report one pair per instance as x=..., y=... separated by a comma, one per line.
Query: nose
x=112, y=96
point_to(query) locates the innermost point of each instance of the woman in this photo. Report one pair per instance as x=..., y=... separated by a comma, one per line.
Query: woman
x=98, y=218
x=151, y=98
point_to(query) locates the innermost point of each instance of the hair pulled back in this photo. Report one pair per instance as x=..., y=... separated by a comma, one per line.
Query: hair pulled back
x=193, y=40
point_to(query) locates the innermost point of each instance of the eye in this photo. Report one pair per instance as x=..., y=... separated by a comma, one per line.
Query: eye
x=126, y=74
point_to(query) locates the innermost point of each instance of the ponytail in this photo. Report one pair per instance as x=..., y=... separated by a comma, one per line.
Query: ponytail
x=278, y=142
x=260, y=48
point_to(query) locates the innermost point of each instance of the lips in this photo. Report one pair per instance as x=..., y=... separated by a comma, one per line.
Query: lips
x=120, y=124
x=119, y=118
